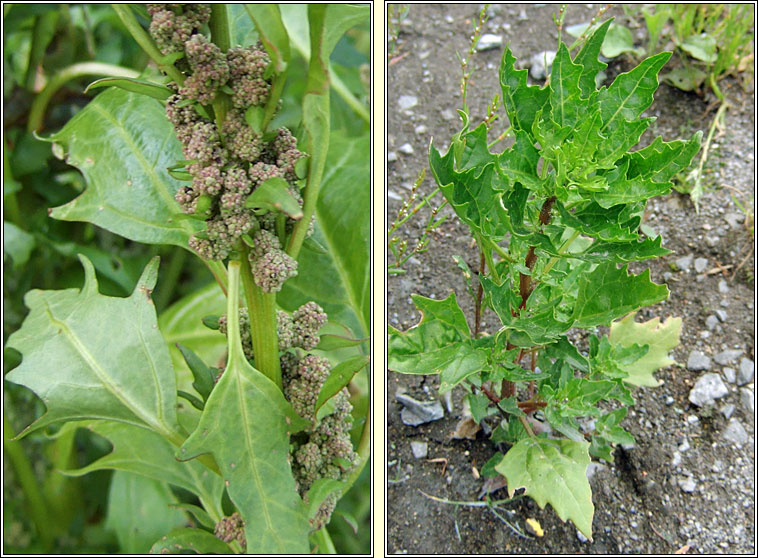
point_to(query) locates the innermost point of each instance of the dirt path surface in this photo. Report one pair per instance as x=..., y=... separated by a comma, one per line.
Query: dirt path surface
x=689, y=480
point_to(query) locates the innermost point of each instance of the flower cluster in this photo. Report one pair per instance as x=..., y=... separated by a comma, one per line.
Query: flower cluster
x=232, y=528
x=173, y=24
x=327, y=452
x=226, y=158
x=299, y=330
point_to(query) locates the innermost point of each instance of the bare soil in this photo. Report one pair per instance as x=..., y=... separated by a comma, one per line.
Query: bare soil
x=640, y=503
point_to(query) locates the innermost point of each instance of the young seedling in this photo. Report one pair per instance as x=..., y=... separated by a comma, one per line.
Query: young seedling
x=556, y=218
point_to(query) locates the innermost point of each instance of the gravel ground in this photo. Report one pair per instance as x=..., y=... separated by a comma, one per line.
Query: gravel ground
x=688, y=484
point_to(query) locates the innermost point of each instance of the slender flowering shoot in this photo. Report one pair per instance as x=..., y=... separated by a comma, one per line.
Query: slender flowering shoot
x=556, y=217
x=251, y=393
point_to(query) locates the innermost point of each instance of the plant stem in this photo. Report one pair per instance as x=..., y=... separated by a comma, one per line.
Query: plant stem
x=262, y=310
x=219, y=273
x=220, y=35
x=479, y=293
x=38, y=507
x=169, y=278
x=144, y=40
x=324, y=542
x=37, y=110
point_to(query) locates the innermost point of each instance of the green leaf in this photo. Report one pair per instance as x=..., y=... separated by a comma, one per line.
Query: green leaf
x=140, y=451
x=139, y=86
x=201, y=516
x=660, y=338
x=273, y=34
x=553, y=472
x=587, y=57
x=17, y=243
x=702, y=47
x=439, y=344
x=480, y=406
x=339, y=280
x=330, y=342
x=251, y=447
x=182, y=323
x=339, y=377
x=91, y=356
x=274, y=195
x=123, y=144
x=319, y=491
x=521, y=102
x=187, y=540
x=618, y=41
x=630, y=93
x=610, y=292
x=139, y=512
x=204, y=378
x=686, y=79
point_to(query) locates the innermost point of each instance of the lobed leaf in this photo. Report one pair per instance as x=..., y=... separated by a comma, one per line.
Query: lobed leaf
x=660, y=338
x=553, y=472
x=186, y=540
x=92, y=356
x=123, y=144
x=609, y=292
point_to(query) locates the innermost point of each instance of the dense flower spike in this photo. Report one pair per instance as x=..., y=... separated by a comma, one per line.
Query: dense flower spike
x=227, y=158
x=232, y=528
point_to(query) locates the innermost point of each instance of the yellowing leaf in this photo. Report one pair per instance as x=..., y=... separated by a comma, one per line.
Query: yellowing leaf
x=536, y=527
x=660, y=337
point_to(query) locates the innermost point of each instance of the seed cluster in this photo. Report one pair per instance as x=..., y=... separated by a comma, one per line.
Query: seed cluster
x=226, y=160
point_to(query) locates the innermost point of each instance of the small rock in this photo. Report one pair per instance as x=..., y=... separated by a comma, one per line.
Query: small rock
x=734, y=219
x=721, y=315
x=730, y=374
x=676, y=460
x=449, y=18
x=669, y=400
x=727, y=357
x=687, y=485
x=724, y=303
x=418, y=412
x=407, y=102
x=593, y=468
x=698, y=361
x=406, y=149
x=684, y=263
x=420, y=449
x=581, y=537
x=391, y=156
x=717, y=466
x=727, y=410
x=701, y=264
x=746, y=372
x=447, y=399
x=711, y=322
x=723, y=287
x=538, y=69
x=735, y=432
x=747, y=399
x=522, y=15
x=421, y=129
x=393, y=196
x=489, y=41
x=684, y=446
x=708, y=388
x=447, y=114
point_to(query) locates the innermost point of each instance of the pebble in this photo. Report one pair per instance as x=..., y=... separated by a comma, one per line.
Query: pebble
x=735, y=432
x=489, y=41
x=421, y=129
x=447, y=114
x=684, y=263
x=418, y=412
x=420, y=449
x=747, y=399
x=734, y=219
x=711, y=322
x=407, y=102
x=393, y=196
x=723, y=287
x=727, y=357
x=701, y=264
x=721, y=315
x=730, y=374
x=727, y=410
x=522, y=15
x=449, y=18
x=684, y=446
x=406, y=149
x=538, y=70
x=391, y=156
x=698, y=361
x=676, y=460
x=688, y=484
x=745, y=372
x=708, y=388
